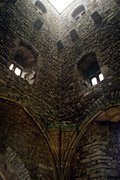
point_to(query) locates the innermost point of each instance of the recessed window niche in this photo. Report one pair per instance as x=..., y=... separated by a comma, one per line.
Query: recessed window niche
x=40, y=7
x=78, y=11
x=74, y=35
x=24, y=62
x=89, y=69
x=60, y=45
x=38, y=24
x=96, y=17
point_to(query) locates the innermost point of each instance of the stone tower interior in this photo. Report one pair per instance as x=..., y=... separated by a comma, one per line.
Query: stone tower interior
x=59, y=90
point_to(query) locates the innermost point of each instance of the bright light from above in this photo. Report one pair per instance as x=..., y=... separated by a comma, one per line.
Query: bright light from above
x=101, y=77
x=17, y=71
x=60, y=5
x=94, y=81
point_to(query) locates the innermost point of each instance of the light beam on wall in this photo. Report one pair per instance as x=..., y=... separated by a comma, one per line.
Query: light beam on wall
x=60, y=5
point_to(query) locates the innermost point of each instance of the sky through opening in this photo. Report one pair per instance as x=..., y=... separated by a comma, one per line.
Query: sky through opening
x=60, y=5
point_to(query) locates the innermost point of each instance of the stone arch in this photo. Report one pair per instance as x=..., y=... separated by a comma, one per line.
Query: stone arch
x=24, y=57
x=24, y=45
x=100, y=106
x=41, y=126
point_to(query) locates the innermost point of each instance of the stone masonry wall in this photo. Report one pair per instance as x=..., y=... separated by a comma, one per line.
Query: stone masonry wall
x=17, y=21
x=97, y=154
x=103, y=40
x=19, y=132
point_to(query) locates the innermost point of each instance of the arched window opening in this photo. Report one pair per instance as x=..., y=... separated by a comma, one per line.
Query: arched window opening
x=79, y=11
x=23, y=64
x=90, y=70
x=40, y=7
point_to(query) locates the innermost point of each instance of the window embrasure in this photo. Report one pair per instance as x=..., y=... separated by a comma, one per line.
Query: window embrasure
x=23, y=63
x=89, y=69
x=40, y=7
x=78, y=11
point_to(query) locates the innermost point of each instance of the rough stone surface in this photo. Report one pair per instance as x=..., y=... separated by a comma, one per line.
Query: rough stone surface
x=17, y=21
x=60, y=127
x=22, y=135
x=101, y=39
x=97, y=155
